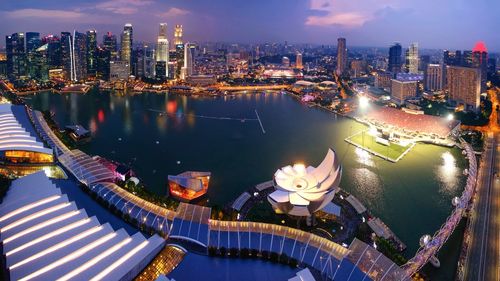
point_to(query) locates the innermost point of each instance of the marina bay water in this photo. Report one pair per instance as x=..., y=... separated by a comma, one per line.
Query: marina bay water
x=413, y=197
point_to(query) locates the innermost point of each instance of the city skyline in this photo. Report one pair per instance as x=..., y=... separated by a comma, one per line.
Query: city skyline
x=370, y=23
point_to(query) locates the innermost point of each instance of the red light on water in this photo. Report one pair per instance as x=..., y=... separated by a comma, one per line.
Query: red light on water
x=100, y=116
x=172, y=106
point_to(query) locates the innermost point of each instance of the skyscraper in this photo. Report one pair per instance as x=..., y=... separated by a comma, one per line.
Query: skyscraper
x=33, y=41
x=434, y=77
x=103, y=63
x=109, y=44
x=92, y=53
x=179, y=59
x=79, y=56
x=341, y=56
x=298, y=61
x=67, y=54
x=189, y=54
x=16, y=54
x=178, y=35
x=395, y=58
x=412, y=58
x=480, y=60
x=126, y=43
x=464, y=86
x=148, y=61
x=162, y=53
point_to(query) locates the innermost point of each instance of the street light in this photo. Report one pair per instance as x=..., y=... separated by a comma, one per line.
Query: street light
x=363, y=101
x=450, y=117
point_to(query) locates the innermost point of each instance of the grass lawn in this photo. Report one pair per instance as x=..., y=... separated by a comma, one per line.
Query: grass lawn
x=368, y=142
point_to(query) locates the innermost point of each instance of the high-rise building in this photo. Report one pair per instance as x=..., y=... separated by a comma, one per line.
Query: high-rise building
x=401, y=90
x=492, y=65
x=79, y=56
x=148, y=61
x=67, y=54
x=434, y=77
x=16, y=54
x=298, y=61
x=452, y=58
x=189, y=55
x=92, y=53
x=423, y=62
x=162, y=53
x=480, y=60
x=33, y=41
x=341, y=56
x=126, y=44
x=411, y=65
x=38, y=67
x=179, y=59
x=103, y=63
x=395, y=58
x=464, y=86
x=53, y=51
x=109, y=44
x=178, y=35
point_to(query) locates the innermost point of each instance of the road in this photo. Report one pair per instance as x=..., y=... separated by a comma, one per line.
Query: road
x=483, y=252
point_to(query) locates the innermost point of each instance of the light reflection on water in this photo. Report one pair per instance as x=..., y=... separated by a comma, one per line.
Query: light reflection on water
x=448, y=174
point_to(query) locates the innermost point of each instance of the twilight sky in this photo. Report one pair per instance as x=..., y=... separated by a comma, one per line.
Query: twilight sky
x=451, y=24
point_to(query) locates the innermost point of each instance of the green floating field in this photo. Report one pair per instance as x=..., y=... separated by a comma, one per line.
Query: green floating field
x=367, y=142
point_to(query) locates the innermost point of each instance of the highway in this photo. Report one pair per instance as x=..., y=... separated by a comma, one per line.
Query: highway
x=483, y=256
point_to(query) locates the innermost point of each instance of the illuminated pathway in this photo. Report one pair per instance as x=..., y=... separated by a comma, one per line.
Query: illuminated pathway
x=483, y=249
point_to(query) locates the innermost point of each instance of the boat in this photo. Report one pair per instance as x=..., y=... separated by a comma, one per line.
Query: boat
x=435, y=262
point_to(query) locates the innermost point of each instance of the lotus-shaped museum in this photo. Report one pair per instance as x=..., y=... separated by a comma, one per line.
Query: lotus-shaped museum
x=301, y=191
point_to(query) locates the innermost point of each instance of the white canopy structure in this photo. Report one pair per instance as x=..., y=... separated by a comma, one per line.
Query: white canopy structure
x=301, y=191
x=44, y=236
x=16, y=132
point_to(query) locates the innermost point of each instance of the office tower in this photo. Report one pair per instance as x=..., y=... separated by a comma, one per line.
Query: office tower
x=285, y=61
x=119, y=70
x=383, y=80
x=434, y=77
x=189, y=54
x=467, y=59
x=179, y=59
x=464, y=86
x=32, y=41
x=92, y=53
x=16, y=54
x=53, y=51
x=126, y=43
x=411, y=65
x=162, y=55
x=148, y=61
x=103, y=63
x=395, y=58
x=492, y=65
x=67, y=54
x=257, y=52
x=109, y=44
x=38, y=67
x=401, y=90
x=424, y=62
x=480, y=60
x=341, y=56
x=452, y=58
x=298, y=61
x=178, y=35
x=79, y=56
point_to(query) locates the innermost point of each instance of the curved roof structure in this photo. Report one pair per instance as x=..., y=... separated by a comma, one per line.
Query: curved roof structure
x=301, y=191
x=16, y=131
x=46, y=237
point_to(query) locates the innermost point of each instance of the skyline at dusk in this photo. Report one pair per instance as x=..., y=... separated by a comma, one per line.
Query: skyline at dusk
x=434, y=24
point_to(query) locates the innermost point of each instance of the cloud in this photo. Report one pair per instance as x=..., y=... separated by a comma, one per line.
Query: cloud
x=122, y=7
x=174, y=12
x=346, y=13
x=44, y=14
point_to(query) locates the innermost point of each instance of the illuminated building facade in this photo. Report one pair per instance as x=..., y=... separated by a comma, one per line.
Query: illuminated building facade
x=92, y=53
x=464, y=86
x=298, y=61
x=127, y=40
x=434, y=77
x=178, y=34
x=16, y=54
x=189, y=185
x=341, y=56
x=412, y=58
x=402, y=90
x=162, y=53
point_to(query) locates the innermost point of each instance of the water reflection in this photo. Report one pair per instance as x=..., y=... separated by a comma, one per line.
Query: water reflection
x=448, y=173
x=368, y=184
x=364, y=157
